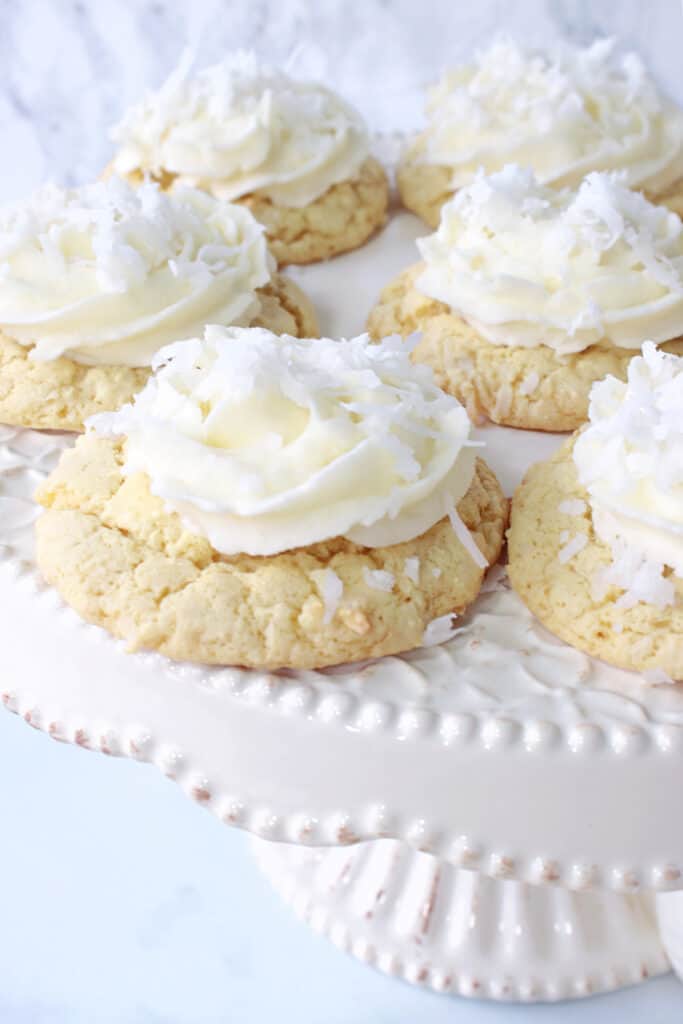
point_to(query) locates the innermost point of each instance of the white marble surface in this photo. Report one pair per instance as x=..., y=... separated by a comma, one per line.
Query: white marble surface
x=69, y=67
x=121, y=900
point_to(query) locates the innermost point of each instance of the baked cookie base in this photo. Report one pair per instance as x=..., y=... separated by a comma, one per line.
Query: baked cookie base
x=344, y=218
x=423, y=187
x=341, y=219
x=528, y=388
x=60, y=394
x=561, y=593
x=124, y=562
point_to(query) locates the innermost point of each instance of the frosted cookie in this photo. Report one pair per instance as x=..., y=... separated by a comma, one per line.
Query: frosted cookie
x=274, y=503
x=527, y=295
x=95, y=280
x=564, y=114
x=596, y=538
x=292, y=151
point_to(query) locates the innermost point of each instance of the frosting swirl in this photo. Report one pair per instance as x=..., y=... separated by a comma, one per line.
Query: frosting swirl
x=565, y=114
x=238, y=127
x=630, y=460
x=528, y=265
x=108, y=274
x=265, y=443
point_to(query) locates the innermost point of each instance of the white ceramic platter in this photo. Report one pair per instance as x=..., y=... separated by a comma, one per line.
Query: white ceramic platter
x=502, y=751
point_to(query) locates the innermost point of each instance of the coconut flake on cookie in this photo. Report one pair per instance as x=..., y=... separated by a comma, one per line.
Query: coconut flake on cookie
x=466, y=539
x=411, y=568
x=241, y=126
x=630, y=460
x=527, y=265
x=529, y=383
x=106, y=274
x=572, y=546
x=331, y=590
x=379, y=579
x=264, y=443
x=439, y=630
x=564, y=112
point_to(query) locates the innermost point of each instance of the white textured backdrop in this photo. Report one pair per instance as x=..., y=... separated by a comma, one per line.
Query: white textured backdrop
x=68, y=67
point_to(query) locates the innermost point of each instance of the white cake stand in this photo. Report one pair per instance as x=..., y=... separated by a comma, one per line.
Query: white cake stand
x=490, y=817
x=520, y=814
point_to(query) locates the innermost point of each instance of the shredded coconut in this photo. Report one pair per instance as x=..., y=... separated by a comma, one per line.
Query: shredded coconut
x=466, y=539
x=244, y=126
x=379, y=579
x=331, y=589
x=568, y=109
x=529, y=384
x=436, y=572
x=630, y=460
x=411, y=568
x=108, y=273
x=572, y=547
x=638, y=577
x=530, y=265
x=439, y=630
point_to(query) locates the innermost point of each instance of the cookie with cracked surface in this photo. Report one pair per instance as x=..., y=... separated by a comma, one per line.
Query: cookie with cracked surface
x=60, y=394
x=123, y=562
x=530, y=388
x=425, y=187
x=559, y=590
x=341, y=219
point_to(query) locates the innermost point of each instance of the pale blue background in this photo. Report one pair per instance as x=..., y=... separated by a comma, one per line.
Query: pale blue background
x=122, y=901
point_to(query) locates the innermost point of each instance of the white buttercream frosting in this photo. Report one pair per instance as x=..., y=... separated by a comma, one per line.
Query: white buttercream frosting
x=630, y=460
x=239, y=127
x=265, y=443
x=108, y=274
x=528, y=265
x=564, y=113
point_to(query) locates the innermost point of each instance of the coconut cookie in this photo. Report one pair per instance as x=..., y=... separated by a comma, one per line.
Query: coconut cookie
x=294, y=152
x=596, y=538
x=274, y=503
x=527, y=295
x=563, y=114
x=94, y=281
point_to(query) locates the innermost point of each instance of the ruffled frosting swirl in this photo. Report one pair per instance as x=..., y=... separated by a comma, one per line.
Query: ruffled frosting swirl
x=265, y=443
x=109, y=274
x=238, y=127
x=630, y=460
x=528, y=265
x=564, y=113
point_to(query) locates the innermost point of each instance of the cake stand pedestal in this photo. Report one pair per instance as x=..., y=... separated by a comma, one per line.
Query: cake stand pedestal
x=489, y=817
x=415, y=916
